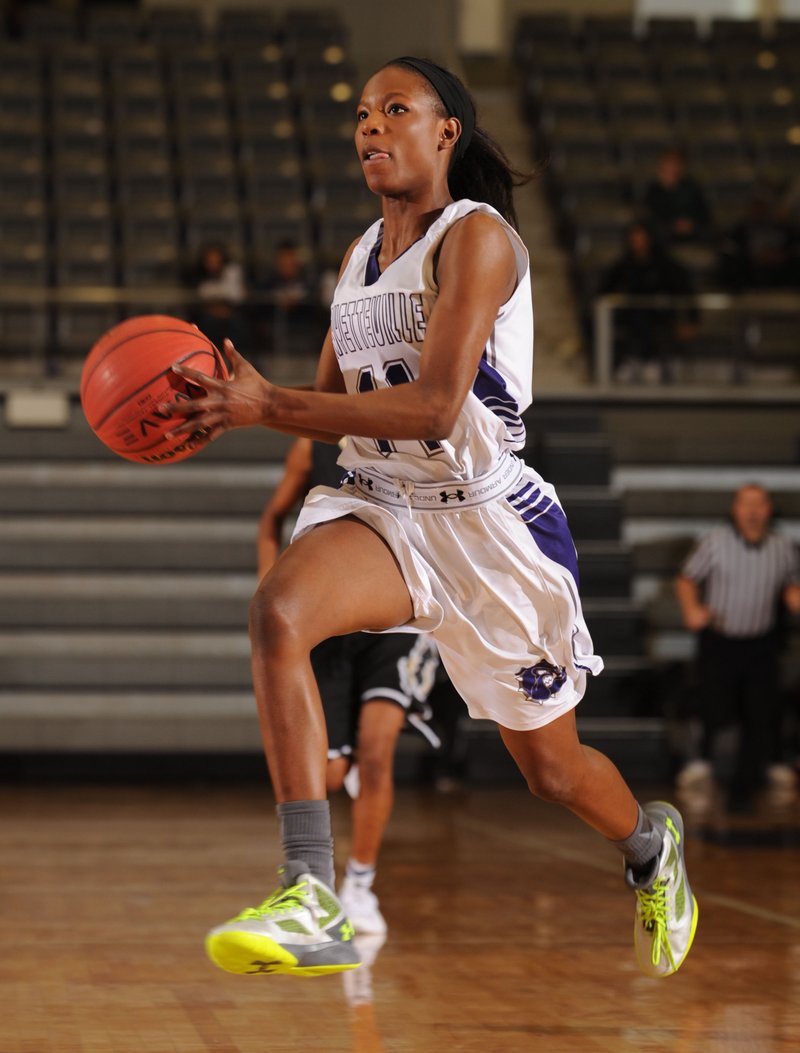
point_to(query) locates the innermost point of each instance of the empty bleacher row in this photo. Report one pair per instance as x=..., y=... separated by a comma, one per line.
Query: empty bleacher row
x=605, y=97
x=131, y=138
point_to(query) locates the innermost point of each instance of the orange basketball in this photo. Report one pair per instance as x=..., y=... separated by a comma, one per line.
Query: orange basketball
x=128, y=375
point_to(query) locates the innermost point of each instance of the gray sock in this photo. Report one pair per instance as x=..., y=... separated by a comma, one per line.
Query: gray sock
x=306, y=835
x=642, y=848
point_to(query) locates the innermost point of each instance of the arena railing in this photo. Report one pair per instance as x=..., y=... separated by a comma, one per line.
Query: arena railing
x=741, y=330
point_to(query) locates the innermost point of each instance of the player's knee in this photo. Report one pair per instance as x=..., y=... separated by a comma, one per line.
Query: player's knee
x=551, y=783
x=375, y=762
x=271, y=624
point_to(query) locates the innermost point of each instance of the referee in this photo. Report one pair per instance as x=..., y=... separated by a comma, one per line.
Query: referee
x=730, y=590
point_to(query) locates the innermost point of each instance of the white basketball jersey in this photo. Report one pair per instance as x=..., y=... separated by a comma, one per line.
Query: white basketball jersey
x=378, y=334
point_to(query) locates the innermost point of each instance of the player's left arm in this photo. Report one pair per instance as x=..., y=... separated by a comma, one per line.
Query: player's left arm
x=476, y=274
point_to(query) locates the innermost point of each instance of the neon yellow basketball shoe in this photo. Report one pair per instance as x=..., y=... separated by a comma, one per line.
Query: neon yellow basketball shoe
x=301, y=928
x=666, y=910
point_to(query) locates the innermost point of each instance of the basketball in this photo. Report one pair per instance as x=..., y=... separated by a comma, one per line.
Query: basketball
x=128, y=375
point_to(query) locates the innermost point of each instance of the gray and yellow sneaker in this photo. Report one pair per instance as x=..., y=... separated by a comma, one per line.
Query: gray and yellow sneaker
x=666, y=910
x=301, y=928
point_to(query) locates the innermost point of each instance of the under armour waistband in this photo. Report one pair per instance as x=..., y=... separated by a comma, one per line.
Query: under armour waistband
x=451, y=496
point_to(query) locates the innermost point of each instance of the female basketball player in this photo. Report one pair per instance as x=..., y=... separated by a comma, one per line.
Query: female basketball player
x=427, y=368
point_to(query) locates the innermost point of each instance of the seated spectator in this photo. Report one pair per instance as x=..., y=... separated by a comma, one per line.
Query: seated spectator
x=291, y=309
x=675, y=201
x=759, y=251
x=648, y=334
x=219, y=283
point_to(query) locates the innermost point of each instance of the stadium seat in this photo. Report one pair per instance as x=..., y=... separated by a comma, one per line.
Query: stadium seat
x=113, y=26
x=142, y=59
x=157, y=265
x=176, y=27
x=536, y=33
x=24, y=330
x=47, y=23
x=225, y=230
x=78, y=326
x=737, y=30
x=246, y=27
x=85, y=271
x=20, y=61
x=670, y=31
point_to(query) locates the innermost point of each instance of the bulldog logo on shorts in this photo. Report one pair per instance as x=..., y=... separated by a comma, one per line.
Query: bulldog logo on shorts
x=541, y=681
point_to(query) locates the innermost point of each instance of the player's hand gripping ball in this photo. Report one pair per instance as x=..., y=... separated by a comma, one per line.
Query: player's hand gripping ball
x=128, y=377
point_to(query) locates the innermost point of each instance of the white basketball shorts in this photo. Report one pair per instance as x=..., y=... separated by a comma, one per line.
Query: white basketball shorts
x=492, y=572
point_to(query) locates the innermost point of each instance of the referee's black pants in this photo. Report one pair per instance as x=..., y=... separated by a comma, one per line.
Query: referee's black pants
x=738, y=680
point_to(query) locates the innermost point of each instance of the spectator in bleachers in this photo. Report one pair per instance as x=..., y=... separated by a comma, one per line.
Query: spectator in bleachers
x=759, y=251
x=291, y=301
x=220, y=286
x=649, y=335
x=288, y=280
x=675, y=201
x=730, y=590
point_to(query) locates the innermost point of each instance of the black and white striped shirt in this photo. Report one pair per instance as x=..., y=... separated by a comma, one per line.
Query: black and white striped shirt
x=743, y=582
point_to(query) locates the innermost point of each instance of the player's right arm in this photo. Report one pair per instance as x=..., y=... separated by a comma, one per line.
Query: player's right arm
x=250, y=383
x=291, y=489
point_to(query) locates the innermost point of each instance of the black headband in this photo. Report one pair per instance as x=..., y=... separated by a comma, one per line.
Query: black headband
x=451, y=91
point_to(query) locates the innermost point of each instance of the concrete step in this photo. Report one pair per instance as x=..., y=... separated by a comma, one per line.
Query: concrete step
x=116, y=720
x=128, y=544
x=139, y=660
x=158, y=729
x=697, y=505
x=659, y=546
x=605, y=570
x=593, y=513
x=702, y=431
x=125, y=600
x=639, y=746
x=574, y=459
x=622, y=689
x=118, y=487
x=617, y=627
x=705, y=479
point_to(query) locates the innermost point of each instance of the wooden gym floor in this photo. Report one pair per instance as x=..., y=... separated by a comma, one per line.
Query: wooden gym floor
x=509, y=930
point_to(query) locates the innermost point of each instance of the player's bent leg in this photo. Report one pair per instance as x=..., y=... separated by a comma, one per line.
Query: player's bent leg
x=559, y=768
x=307, y=597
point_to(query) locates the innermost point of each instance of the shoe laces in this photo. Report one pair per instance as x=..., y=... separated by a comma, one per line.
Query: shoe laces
x=654, y=913
x=282, y=901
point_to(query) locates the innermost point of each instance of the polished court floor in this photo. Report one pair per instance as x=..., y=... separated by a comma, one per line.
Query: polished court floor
x=509, y=930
